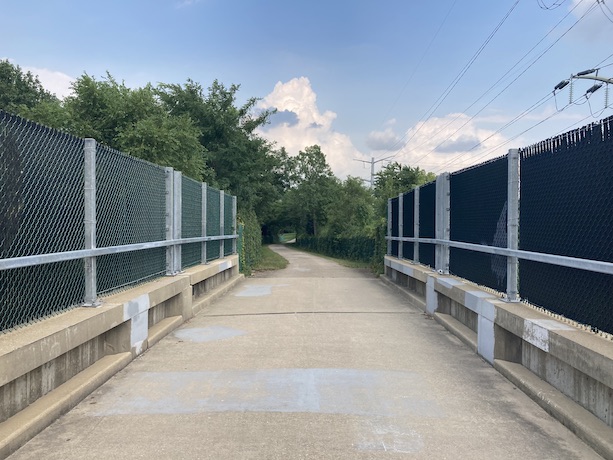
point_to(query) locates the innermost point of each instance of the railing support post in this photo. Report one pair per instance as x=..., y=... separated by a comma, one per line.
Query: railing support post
x=442, y=222
x=416, y=226
x=89, y=149
x=400, y=225
x=234, y=214
x=177, y=231
x=222, y=243
x=204, y=220
x=170, y=220
x=389, y=226
x=513, y=224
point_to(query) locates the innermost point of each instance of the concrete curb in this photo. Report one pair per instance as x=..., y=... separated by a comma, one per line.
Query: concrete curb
x=23, y=426
x=414, y=300
x=217, y=293
x=466, y=336
x=578, y=420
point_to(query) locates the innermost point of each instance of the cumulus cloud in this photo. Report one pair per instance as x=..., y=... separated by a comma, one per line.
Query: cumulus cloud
x=384, y=140
x=448, y=144
x=53, y=81
x=302, y=124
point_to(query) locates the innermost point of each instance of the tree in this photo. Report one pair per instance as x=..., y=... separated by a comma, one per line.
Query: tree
x=351, y=214
x=19, y=89
x=242, y=162
x=22, y=93
x=313, y=187
x=166, y=141
x=396, y=178
x=136, y=122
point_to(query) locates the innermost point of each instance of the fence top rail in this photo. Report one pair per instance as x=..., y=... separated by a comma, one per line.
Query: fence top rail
x=565, y=261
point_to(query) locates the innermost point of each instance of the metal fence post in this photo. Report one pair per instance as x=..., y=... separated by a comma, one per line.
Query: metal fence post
x=169, y=219
x=234, y=214
x=204, y=219
x=400, y=225
x=416, y=226
x=177, y=231
x=442, y=222
x=513, y=224
x=389, y=226
x=89, y=173
x=221, y=224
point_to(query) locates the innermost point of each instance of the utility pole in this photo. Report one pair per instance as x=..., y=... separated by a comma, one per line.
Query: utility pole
x=372, y=163
x=586, y=75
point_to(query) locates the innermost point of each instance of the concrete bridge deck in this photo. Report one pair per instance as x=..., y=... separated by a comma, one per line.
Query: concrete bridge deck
x=315, y=361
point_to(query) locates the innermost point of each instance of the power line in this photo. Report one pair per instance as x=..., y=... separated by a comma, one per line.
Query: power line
x=513, y=81
x=440, y=27
x=504, y=75
x=458, y=77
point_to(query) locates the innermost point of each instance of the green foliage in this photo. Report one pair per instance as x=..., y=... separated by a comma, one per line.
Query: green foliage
x=240, y=162
x=167, y=141
x=251, y=245
x=20, y=90
x=351, y=213
x=356, y=248
x=396, y=178
x=22, y=93
x=312, y=188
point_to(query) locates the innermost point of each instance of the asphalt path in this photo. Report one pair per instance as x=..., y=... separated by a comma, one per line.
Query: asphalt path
x=315, y=361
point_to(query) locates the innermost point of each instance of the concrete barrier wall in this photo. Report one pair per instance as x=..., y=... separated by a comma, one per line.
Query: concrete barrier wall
x=48, y=367
x=566, y=369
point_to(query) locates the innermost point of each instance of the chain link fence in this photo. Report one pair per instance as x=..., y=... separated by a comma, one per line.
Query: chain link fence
x=130, y=209
x=478, y=214
x=191, y=221
x=565, y=209
x=45, y=220
x=408, y=222
x=213, y=222
x=427, y=222
x=537, y=221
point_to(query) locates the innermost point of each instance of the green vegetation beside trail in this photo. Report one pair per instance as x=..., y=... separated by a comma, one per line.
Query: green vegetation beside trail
x=270, y=260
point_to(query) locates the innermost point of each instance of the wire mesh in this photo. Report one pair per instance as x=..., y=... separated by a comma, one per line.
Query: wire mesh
x=408, y=219
x=395, y=216
x=427, y=222
x=212, y=223
x=130, y=208
x=41, y=209
x=228, y=223
x=565, y=209
x=479, y=215
x=191, y=221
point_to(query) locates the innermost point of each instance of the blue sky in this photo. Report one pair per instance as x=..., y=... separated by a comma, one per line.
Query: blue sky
x=360, y=78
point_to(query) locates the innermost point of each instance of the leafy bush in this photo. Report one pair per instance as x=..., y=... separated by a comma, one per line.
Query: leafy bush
x=250, y=251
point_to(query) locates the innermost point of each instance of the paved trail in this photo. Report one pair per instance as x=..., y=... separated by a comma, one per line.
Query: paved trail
x=315, y=361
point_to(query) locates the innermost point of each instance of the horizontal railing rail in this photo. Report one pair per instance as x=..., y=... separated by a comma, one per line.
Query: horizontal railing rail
x=553, y=259
x=41, y=259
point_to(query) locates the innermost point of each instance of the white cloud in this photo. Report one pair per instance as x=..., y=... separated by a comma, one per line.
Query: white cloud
x=386, y=140
x=446, y=144
x=56, y=82
x=308, y=126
